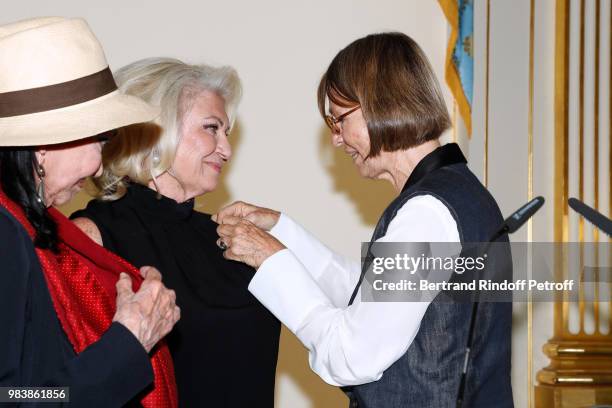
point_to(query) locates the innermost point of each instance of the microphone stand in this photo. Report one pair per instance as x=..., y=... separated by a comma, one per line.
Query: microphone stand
x=510, y=225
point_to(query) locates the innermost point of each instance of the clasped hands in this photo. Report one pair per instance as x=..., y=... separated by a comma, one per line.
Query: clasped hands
x=150, y=312
x=243, y=233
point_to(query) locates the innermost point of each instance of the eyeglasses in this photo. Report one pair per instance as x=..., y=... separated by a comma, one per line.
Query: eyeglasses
x=106, y=136
x=335, y=124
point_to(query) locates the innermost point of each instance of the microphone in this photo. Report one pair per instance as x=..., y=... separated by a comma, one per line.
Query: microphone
x=510, y=225
x=591, y=215
x=515, y=221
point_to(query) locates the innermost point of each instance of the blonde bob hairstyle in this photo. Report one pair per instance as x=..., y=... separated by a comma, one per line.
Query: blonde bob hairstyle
x=140, y=153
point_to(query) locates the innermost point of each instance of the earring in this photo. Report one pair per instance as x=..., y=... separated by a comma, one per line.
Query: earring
x=155, y=160
x=40, y=190
x=155, y=157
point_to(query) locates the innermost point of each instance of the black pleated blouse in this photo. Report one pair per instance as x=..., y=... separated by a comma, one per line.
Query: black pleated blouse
x=225, y=346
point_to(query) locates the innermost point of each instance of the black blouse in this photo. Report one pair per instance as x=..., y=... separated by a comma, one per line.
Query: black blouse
x=225, y=346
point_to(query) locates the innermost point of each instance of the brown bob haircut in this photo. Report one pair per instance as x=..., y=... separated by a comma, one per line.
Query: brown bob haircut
x=389, y=76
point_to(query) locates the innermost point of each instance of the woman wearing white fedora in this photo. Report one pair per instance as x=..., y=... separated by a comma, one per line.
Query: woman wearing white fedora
x=72, y=314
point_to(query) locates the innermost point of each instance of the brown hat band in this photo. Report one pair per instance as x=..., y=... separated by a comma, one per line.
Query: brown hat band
x=57, y=96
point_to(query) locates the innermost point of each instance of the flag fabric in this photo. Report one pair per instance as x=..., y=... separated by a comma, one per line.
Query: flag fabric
x=459, y=55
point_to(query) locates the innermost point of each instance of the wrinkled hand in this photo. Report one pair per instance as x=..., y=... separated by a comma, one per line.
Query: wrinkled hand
x=246, y=242
x=151, y=312
x=263, y=218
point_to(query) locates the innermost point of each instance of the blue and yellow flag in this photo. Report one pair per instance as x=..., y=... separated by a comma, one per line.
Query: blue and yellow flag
x=459, y=55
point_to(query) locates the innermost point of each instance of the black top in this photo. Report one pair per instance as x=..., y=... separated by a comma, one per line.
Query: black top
x=34, y=350
x=225, y=346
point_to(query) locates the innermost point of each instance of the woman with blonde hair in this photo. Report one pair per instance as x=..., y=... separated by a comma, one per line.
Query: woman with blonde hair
x=225, y=346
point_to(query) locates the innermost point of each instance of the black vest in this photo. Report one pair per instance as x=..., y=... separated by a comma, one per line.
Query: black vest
x=428, y=374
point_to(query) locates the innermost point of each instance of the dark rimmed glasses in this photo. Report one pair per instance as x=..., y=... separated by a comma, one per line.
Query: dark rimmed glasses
x=335, y=124
x=106, y=136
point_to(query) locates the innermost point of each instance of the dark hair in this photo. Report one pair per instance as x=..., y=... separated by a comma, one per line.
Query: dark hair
x=389, y=76
x=17, y=181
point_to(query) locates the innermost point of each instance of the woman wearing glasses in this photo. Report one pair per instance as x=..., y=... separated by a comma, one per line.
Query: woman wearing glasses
x=384, y=107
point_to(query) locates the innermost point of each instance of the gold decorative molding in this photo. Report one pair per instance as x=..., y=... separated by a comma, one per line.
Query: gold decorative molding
x=580, y=369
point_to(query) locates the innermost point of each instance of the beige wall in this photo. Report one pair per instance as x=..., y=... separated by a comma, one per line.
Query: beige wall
x=282, y=154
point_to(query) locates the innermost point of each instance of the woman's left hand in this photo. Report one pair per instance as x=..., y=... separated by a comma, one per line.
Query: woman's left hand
x=245, y=242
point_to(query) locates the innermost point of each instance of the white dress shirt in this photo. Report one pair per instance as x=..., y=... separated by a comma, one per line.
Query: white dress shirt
x=307, y=287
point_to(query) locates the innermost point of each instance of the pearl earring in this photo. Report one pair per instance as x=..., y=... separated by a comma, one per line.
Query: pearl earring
x=155, y=158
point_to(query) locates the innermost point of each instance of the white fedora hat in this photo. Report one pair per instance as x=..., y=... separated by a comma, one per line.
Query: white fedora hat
x=56, y=86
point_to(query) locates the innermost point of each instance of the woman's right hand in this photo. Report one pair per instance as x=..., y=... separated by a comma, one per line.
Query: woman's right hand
x=264, y=218
x=151, y=312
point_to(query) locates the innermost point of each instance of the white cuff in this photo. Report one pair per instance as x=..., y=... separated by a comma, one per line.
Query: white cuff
x=312, y=253
x=286, y=289
x=282, y=227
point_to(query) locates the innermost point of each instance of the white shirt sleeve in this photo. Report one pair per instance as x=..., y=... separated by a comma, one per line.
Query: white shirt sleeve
x=356, y=344
x=335, y=274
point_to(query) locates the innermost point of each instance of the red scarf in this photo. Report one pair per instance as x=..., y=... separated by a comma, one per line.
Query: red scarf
x=81, y=280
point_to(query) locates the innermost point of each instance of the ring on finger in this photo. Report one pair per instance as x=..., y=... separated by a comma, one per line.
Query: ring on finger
x=221, y=244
